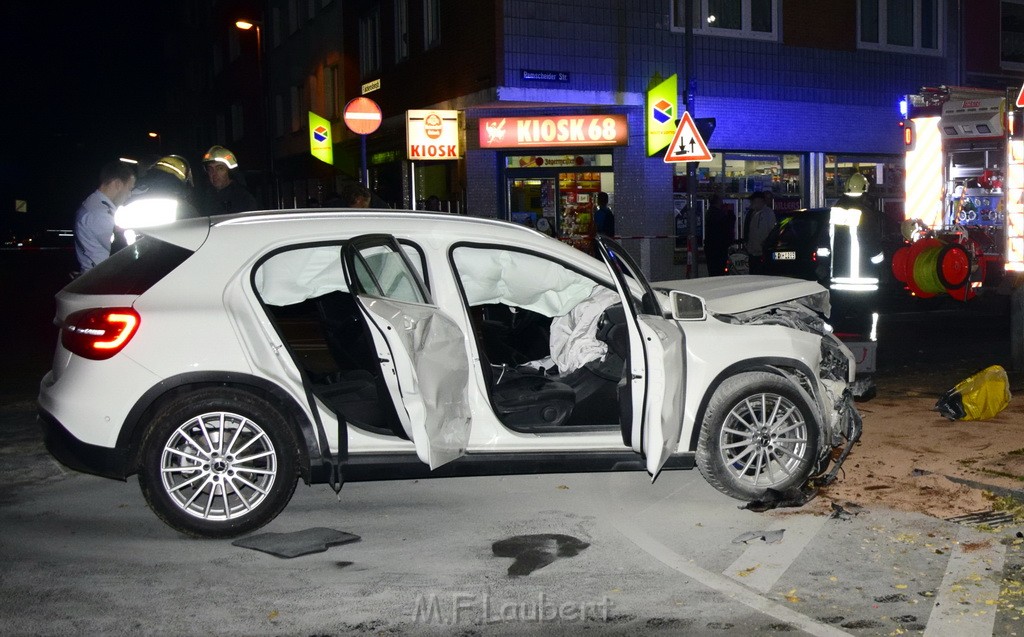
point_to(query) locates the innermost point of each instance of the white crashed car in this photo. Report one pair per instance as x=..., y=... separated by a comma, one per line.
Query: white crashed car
x=222, y=358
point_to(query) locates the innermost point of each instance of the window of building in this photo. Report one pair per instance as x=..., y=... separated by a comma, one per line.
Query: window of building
x=312, y=96
x=237, y=121
x=220, y=126
x=234, y=46
x=1011, y=49
x=899, y=25
x=431, y=23
x=401, y=30
x=216, y=59
x=278, y=116
x=756, y=19
x=293, y=16
x=331, y=92
x=369, y=43
x=296, y=107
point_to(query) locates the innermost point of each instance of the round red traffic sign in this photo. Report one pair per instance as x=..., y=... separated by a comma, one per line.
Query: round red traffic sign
x=362, y=116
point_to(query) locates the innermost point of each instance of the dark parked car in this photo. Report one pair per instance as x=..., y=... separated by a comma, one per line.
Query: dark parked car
x=799, y=246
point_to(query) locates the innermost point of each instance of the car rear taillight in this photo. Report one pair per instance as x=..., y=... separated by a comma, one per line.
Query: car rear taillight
x=99, y=333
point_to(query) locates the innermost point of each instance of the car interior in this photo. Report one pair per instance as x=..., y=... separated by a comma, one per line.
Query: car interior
x=552, y=344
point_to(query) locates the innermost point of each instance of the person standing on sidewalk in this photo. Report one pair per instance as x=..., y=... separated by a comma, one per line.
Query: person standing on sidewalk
x=761, y=221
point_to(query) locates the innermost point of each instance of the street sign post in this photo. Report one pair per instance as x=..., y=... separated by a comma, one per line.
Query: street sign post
x=687, y=144
x=362, y=116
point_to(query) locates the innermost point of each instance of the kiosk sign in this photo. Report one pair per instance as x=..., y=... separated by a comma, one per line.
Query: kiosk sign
x=432, y=134
x=549, y=132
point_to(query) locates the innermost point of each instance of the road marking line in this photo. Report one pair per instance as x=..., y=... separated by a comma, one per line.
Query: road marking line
x=762, y=564
x=720, y=583
x=973, y=578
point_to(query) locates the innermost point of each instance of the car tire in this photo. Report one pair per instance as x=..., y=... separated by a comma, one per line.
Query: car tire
x=192, y=475
x=758, y=433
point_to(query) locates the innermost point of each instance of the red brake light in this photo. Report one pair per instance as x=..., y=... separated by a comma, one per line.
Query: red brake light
x=99, y=333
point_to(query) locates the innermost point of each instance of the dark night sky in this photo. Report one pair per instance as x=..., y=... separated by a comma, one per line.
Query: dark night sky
x=80, y=85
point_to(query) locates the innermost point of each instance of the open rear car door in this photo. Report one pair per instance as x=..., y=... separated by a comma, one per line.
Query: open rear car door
x=421, y=351
x=656, y=367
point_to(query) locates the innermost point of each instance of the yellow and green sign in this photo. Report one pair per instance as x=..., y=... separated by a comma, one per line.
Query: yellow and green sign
x=662, y=113
x=320, y=145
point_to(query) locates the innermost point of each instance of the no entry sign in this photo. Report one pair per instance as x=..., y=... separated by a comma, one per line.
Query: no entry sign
x=362, y=116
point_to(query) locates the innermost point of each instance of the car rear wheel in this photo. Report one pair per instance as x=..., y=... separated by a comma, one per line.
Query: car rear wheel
x=218, y=463
x=759, y=433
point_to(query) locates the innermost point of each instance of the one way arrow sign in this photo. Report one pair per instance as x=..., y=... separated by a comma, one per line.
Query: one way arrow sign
x=687, y=144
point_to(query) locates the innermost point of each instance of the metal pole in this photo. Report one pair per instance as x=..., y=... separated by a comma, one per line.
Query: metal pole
x=364, y=172
x=264, y=68
x=412, y=185
x=691, y=166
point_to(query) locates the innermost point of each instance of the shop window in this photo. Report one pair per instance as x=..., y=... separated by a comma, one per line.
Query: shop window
x=907, y=26
x=731, y=18
x=739, y=174
x=1011, y=42
x=884, y=174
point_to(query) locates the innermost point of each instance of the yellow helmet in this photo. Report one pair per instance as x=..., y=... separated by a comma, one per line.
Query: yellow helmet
x=222, y=155
x=856, y=185
x=175, y=165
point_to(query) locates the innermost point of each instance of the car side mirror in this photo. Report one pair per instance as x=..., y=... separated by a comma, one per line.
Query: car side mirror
x=687, y=307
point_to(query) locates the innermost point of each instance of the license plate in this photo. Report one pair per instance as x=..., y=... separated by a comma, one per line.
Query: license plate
x=785, y=255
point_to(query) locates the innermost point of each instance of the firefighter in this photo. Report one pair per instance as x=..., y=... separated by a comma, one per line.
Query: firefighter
x=163, y=194
x=856, y=239
x=226, y=192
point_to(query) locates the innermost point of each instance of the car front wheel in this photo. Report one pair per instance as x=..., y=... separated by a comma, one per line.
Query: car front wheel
x=218, y=463
x=758, y=433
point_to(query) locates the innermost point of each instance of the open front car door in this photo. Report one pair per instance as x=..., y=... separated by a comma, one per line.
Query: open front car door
x=421, y=351
x=656, y=368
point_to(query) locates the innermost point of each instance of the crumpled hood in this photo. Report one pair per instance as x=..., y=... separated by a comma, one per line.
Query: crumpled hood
x=746, y=292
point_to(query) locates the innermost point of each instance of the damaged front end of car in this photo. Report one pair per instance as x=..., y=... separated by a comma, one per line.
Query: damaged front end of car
x=832, y=391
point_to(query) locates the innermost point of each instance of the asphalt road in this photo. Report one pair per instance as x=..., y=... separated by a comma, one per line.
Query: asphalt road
x=602, y=553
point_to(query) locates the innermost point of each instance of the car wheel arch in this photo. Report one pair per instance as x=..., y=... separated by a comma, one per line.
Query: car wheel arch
x=786, y=368
x=133, y=431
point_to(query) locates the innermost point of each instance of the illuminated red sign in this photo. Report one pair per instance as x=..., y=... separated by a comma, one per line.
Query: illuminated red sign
x=548, y=132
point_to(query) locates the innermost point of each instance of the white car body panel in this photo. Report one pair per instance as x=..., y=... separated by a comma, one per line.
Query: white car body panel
x=246, y=343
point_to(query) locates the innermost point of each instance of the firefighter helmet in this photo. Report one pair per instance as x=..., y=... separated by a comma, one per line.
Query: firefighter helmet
x=856, y=185
x=175, y=165
x=222, y=155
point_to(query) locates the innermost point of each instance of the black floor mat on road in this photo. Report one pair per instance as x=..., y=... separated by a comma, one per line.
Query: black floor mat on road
x=315, y=540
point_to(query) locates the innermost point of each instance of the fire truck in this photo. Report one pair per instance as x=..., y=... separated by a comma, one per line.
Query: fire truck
x=964, y=212
x=964, y=177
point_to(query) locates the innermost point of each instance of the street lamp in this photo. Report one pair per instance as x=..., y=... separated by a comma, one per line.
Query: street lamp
x=261, y=61
x=159, y=141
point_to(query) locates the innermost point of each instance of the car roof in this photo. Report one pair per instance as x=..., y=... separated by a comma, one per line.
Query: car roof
x=301, y=223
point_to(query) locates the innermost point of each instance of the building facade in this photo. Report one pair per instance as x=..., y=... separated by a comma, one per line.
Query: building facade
x=552, y=99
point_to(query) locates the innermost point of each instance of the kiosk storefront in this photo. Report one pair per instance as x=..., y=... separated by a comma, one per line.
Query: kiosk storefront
x=552, y=168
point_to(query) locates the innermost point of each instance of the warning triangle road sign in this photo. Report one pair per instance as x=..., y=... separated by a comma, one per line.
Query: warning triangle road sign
x=687, y=144
x=1020, y=98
